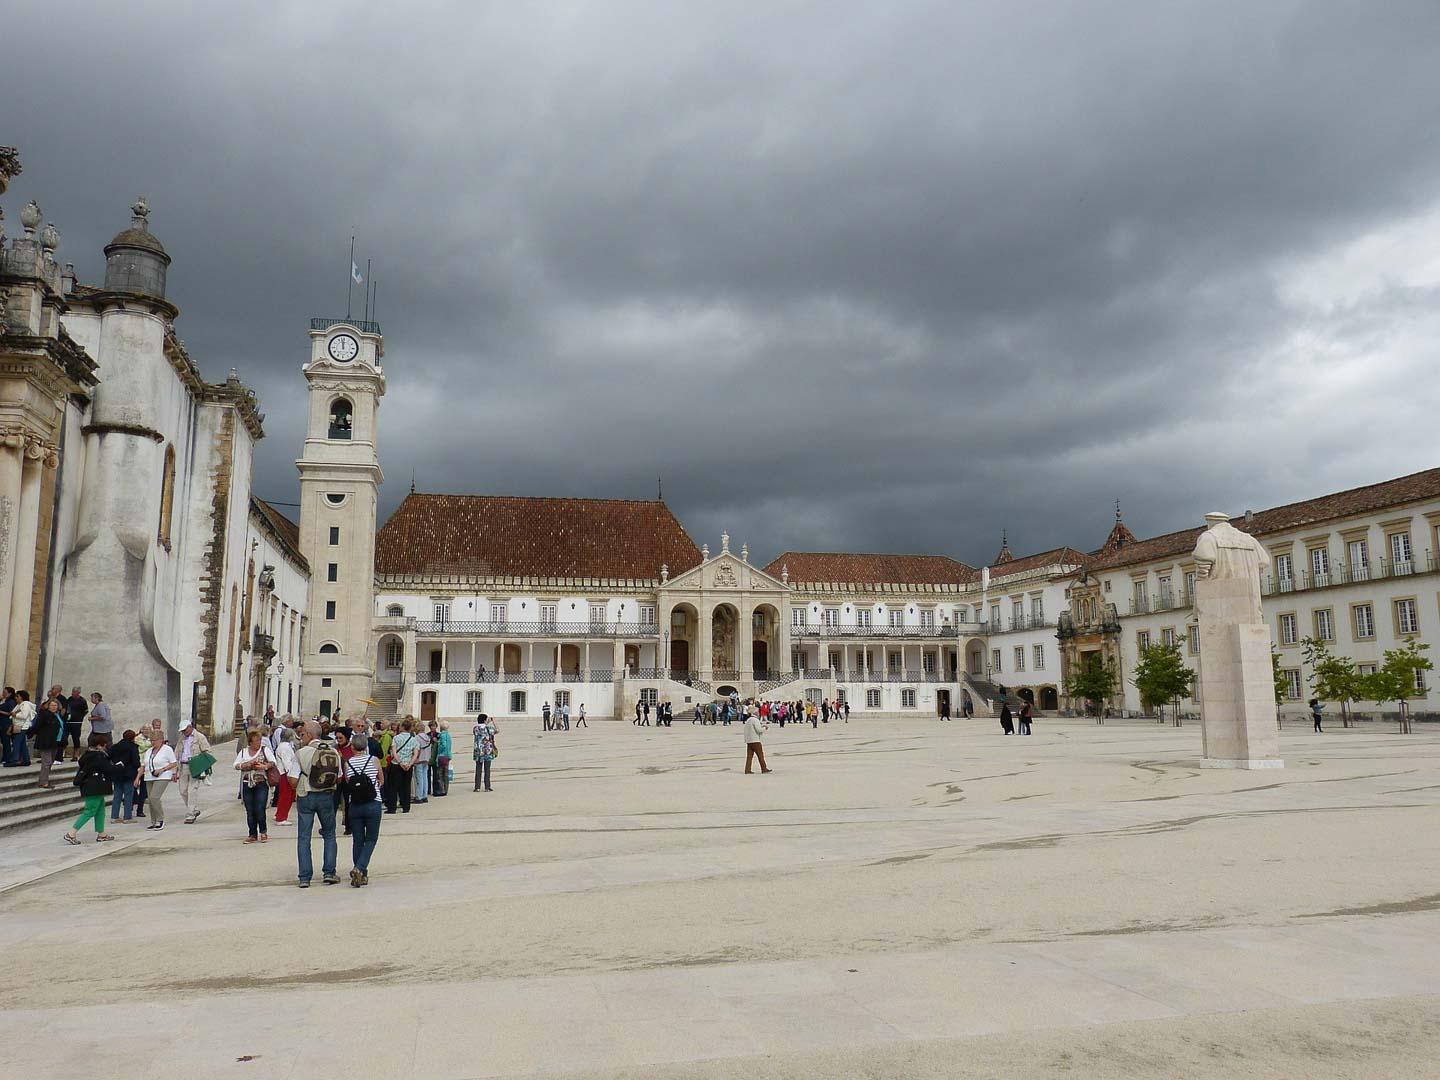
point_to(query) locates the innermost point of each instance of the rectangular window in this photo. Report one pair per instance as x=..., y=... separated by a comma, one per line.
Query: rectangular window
x=892, y=661
x=907, y=699
x=1365, y=669
x=1142, y=641
x=647, y=614
x=474, y=701
x=1407, y=618
x=1190, y=586
x=1324, y=624
x=442, y=612
x=842, y=695
x=1320, y=567
x=517, y=701
x=332, y=572
x=562, y=698
x=334, y=535
x=1284, y=573
x=862, y=618
x=1288, y=632
x=927, y=663
x=1166, y=597
x=597, y=613
x=1167, y=635
x=1039, y=657
x=994, y=617
x=1140, y=593
x=1037, y=610
x=797, y=616
x=1019, y=657
x=1017, y=614
x=927, y=618
x=897, y=618
x=995, y=661
x=872, y=698
x=962, y=614
x=1194, y=636
x=1420, y=680
x=330, y=609
x=394, y=654
x=1363, y=619
x=1292, y=683
x=649, y=696
x=547, y=614
x=1358, y=553
x=831, y=616
x=497, y=614
x=1400, y=553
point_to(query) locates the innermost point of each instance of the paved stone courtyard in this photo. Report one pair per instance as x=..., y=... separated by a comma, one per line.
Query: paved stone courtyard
x=900, y=898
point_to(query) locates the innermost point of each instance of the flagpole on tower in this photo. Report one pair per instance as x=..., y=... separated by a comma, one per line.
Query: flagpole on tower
x=350, y=278
x=367, y=290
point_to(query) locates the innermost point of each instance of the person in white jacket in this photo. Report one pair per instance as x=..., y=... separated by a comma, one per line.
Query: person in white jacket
x=754, y=730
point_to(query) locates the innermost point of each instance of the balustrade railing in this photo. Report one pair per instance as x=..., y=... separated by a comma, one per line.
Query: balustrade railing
x=1350, y=572
x=822, y=632
x=515, y=628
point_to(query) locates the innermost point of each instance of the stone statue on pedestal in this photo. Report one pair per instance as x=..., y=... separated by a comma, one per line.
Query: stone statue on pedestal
x=1237, y=684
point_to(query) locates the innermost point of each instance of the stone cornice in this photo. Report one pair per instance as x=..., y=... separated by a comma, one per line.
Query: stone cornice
x=123, y=429
x=105, y=298
x=422, y=583
x=236, y=394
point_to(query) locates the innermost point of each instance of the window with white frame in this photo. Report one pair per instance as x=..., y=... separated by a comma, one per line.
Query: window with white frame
x=395, y=611
x=994, y=617
x=797, y=616
x=442, y=612
x=892, y=661
x=1019, y=657
x=897, y=617
x=1166, y=597
x=831, y=616
x=517, y=701
x=962, y=614
x=1167, y=635
x=1039, y=657
x=1141, y=593
x=995, y=661
x=1400, y=555
x=497, y=614
x=862, y=618
x=1324, y=624
x=474, y=701
x=1142, y=641
x=1407, y=617
x=927, y=662
x=927, y=618
x=1420, y=680
x=1320, y=566
x=1284, y=573
x=649, y=696
x=1292, y=683
x=394, y=654
x=547, y=614
x=872, y=697
x=1363, y=616
x=1365, y=669
x=907, y=698
x=647, y=614
x=1190, y=586
x=1017, y=614
x=597, y=613
x=842, y=695
x=1194, y=636
x=1288, y=631
x=1037, y=610
x=1358, y=554
x=562, y=698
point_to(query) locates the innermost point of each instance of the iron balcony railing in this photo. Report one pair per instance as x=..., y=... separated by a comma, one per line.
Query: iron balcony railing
x=467, y=677
x=539, y=628
x=1024, y=622
x=819, y=632
x=364, y=326
x=1349, y=573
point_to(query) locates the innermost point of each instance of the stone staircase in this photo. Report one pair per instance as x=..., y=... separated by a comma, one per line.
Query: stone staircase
x=763, y=688
x=23, y=804
x=386, y=696
x=986, y=695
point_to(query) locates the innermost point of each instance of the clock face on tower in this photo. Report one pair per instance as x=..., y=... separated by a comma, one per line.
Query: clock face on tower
x=343, y=348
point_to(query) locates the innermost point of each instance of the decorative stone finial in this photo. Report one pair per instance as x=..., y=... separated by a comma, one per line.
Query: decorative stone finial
x=140, y=214
x=724, y=543
x=664, y=573
x=1117, y=511
x=705, y=552
x=49, y=240
x=30, y=218
x=745, y=552
x=785, y=573
x=2, y=220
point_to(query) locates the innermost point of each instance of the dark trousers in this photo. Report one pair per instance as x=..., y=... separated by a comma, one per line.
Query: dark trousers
x=1317, y=723
x=754, y=750
x=255, y=797
x=397, y=788
x=365, y=830
x=482, y=775
x=72, y=736
x=440, y=778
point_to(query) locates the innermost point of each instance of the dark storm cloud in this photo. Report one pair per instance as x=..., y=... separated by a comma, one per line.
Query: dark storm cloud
x=866, y=277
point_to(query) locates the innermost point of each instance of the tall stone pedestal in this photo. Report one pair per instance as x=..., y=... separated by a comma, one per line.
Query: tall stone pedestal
x=1237, y=684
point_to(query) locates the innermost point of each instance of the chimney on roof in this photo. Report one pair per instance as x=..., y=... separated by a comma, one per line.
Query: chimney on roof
x=1249, y=515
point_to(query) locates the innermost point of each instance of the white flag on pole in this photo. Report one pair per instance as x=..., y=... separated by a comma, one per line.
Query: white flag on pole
x=355, y=274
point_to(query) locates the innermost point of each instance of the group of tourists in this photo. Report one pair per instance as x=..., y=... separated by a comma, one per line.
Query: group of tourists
x=558, y=719
x=54, y=727
x=1007, y=718
x=664, y=713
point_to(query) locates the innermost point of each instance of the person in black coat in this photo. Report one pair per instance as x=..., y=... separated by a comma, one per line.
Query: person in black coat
x=46, y=733
x=93, y=778
x=1007, y=721
x=125, y=756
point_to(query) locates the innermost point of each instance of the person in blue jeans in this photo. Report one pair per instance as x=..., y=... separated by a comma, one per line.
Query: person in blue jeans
x=312, y=803
x=364, y=811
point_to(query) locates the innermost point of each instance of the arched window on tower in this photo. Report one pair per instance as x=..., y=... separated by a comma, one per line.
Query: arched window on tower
x=328, y=649
x=167, y=498
x=341, y=413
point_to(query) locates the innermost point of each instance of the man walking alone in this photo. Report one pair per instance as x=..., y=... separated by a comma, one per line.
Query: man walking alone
x=754, y=731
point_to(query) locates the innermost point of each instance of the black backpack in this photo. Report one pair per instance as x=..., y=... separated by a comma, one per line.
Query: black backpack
x=358, y=785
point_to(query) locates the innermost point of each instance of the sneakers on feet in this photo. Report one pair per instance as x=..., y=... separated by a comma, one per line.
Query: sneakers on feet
x=332, y=879
x=304, y=884
x=355, y=878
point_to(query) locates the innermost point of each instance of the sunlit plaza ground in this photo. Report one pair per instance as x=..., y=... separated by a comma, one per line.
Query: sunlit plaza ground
x=899, y=898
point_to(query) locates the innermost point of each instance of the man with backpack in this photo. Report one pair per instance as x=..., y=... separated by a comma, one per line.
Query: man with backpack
x=315, y=797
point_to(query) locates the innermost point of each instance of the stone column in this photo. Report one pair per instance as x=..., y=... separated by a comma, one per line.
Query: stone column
x=707, y=639
x=745, y=642
x=12, y=452
x=26, y=532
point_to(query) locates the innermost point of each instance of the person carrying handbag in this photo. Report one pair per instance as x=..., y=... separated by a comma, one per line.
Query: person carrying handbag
x=256, y=764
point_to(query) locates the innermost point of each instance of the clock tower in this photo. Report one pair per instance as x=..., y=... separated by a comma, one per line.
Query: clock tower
x=339, y=486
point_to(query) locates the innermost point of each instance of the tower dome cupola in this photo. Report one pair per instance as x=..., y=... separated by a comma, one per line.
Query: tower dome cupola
x=135, y=261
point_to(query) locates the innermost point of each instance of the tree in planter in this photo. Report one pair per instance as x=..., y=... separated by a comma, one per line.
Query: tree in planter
x=1161, y=676
x=1332, y=678
x=1395, y=679
x=1092, y=681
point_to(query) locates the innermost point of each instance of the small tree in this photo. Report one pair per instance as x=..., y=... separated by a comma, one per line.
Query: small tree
x=1279, y=678
x=1395, y=679
x=1332, y=678
x=1092, y=681
x=1161, y=676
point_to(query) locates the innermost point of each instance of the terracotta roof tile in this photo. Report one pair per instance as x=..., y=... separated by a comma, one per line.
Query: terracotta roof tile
x=811, y=566
x=1061, y=556
x=286, y=529
x=513, y=536
x=1342, y=504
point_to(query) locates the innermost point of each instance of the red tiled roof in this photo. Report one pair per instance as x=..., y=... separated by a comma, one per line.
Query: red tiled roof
x=1342, y=504
x=1061, y=556
x=872, y=569
x=284, y=528
x=513, y=536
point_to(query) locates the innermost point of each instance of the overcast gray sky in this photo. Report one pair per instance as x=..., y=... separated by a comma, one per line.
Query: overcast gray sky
x=876, y=277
